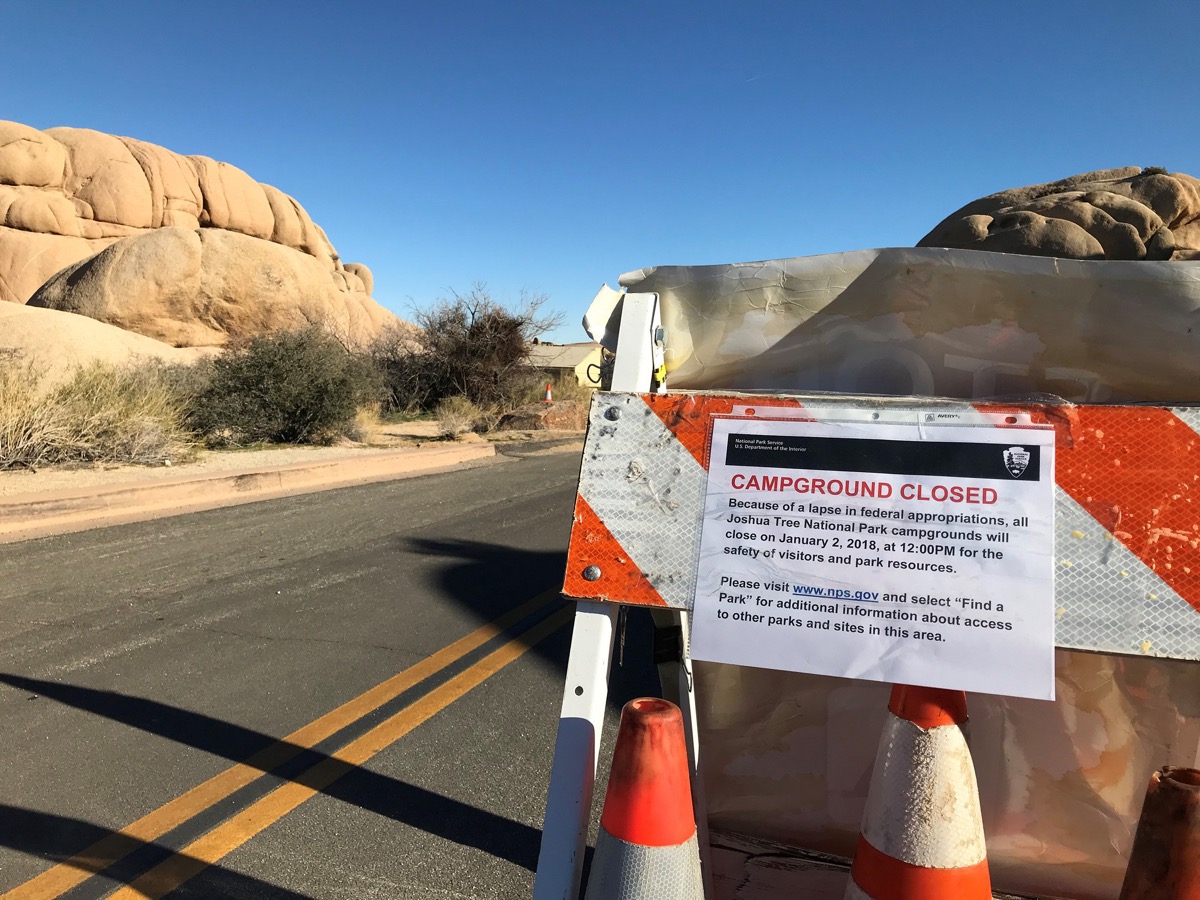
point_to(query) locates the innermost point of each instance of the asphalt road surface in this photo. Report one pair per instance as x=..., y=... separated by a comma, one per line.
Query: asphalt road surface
x=350, y=694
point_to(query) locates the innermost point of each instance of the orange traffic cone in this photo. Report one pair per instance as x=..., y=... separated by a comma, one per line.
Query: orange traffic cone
x=1165, y=861
x=922, y=833
x=647, y=847
x=549, y=395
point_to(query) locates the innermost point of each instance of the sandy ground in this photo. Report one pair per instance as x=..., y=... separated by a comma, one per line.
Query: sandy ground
x=387, y=439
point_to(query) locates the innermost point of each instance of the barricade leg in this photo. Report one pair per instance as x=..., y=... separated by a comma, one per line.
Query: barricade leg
x=576, y=753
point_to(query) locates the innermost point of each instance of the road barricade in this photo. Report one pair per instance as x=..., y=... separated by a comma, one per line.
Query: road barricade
x=786, y=755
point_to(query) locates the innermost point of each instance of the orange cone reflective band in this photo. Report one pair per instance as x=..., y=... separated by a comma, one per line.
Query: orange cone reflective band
x=882, y=878
x=922, y=833
x=928, y=707
x=647, y=848
x=649, y=799
x=1165, y=862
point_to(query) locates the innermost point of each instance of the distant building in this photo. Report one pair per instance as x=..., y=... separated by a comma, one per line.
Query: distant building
x=582, y=361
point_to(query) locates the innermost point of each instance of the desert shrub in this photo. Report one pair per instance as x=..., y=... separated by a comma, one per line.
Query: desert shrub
x=31, y=429
x=186, y=381
x=395, y=354
x=457, y=415
x=366, y=425
x=299, y=386
x=103, y=413
x=127, y=414
x=468, y=346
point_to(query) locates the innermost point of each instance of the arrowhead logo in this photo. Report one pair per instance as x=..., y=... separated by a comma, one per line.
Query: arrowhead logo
x=1016, y=459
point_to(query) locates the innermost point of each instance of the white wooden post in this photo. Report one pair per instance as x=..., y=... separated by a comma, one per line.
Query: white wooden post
x=576, y=753
x=585, y=693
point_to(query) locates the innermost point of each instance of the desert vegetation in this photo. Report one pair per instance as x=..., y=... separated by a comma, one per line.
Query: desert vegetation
x=102, y=413
x=293, y=387
x=469, y=345
x=463, y=364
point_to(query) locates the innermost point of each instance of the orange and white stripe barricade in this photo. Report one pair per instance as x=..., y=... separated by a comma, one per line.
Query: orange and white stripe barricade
x=585, y=693
x=1126, y=507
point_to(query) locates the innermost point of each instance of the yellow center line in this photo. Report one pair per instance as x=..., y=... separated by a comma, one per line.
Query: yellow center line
x=232, y=833
x=99, y=856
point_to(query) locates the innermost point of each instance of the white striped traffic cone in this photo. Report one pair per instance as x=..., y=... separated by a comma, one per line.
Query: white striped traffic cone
x=549, y=395
x=922, y=832
x=647, y=847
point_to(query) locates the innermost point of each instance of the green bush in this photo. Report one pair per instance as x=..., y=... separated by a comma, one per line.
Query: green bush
x=292, y=387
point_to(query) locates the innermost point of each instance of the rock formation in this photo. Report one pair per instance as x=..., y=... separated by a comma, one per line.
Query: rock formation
x=1128, y=214
x=56, y=343
x=183, y=249
x=561, y=415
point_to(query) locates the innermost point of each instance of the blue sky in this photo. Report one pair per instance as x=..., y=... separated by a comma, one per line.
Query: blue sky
x=548, y=147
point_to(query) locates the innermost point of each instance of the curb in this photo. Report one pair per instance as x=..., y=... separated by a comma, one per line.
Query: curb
x=27, y=516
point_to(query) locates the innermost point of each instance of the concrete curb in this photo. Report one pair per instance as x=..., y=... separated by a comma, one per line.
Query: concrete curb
x=27, y=516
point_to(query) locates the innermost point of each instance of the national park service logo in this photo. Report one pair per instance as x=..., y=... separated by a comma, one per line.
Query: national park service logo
x=1016, y=459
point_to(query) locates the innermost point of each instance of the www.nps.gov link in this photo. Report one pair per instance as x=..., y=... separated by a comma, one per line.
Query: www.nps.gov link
x=808, y=590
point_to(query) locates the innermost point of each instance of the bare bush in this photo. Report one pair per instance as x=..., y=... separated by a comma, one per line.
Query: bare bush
x=469, y=346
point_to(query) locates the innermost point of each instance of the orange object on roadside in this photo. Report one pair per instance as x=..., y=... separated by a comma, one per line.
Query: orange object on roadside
x=922, y=832
x=647, y=846
x=1165, y=861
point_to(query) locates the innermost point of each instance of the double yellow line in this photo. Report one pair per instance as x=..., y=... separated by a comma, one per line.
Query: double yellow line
x=233, y=832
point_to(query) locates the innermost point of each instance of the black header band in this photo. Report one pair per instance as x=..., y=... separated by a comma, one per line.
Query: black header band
x=1000, y=461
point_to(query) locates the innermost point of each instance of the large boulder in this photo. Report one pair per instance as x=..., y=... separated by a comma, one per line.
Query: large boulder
x=560, y=415
x=184, y=249
x=28, y=258
x=192, y=288
x=1128, y=214
x=58, y=343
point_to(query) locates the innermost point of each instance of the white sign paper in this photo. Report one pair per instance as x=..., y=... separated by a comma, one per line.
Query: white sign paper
x=912, y=553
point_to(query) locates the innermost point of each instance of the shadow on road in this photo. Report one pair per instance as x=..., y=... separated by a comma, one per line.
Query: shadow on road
x=397, y=800
x=58, y=838
x=489, y=579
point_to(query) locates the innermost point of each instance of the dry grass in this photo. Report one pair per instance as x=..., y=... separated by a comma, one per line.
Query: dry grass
x=367, y=427
x=31, y=429
x=457, y=415
x=104, y=413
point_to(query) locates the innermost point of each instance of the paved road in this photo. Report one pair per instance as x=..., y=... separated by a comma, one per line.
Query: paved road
x=298, y=698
